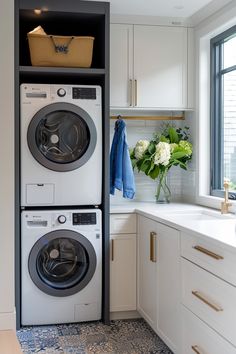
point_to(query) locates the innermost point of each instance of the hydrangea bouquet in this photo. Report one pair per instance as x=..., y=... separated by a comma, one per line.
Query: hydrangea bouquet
x=168, y=148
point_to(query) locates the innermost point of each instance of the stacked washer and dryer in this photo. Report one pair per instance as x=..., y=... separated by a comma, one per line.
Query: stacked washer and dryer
x=61, y=184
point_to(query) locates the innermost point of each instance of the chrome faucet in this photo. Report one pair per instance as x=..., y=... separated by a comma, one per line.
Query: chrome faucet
x=225, y=204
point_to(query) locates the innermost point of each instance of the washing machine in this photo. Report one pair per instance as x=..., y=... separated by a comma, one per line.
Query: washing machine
x=61, y=271
x=61, y=145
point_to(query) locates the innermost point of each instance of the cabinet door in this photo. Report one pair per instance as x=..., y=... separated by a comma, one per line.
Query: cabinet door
x=123, y=272
x=168, y=260
x=147, y=270
x=160, y=66
x=121, y=62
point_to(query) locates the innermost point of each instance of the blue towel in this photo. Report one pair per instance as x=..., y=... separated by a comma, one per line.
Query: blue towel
x=121, y=171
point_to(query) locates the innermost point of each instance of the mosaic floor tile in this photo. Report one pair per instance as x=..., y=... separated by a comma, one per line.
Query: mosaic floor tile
x=121, y=337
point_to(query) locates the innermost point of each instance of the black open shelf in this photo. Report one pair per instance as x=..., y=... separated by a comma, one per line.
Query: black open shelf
x=35, y=74
x=34, y=70
x=63, y=24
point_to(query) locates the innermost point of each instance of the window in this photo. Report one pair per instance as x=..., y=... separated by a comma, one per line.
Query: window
x=223, y=112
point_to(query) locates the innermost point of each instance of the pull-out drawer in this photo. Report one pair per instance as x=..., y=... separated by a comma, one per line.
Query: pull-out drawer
x=123, y=223
x=198, y=338
x=210, y=298
x=209, y=255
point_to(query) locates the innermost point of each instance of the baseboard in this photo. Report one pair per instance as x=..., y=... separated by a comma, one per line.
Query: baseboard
x=8, y=320
x=124, y=315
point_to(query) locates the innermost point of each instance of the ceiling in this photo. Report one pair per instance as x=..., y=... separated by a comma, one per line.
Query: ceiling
x=161, y=8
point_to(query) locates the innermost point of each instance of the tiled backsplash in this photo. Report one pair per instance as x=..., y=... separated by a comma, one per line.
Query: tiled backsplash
x=145, y=186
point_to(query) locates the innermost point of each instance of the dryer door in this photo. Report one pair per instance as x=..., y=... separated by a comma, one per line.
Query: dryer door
x=62, y=137
x=62, y=262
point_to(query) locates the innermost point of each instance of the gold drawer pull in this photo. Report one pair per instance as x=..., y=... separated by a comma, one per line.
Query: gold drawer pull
x=207, y=252
x=153, y=246
x=201, y=297
x=196, y=349
x=136, y=93
x=112, y=250
x=130, y=92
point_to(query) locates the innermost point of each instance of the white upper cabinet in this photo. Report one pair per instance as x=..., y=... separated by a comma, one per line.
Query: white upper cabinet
x=121, y=65
x=160, y=66
x=149, y=67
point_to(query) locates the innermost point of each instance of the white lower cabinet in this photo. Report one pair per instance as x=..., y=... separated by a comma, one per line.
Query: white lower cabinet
x=147, y=271
x=198, y=338
x=185, y=284
x=123, y=268
x=158, y=279
x=123, y=272
x=169, y=285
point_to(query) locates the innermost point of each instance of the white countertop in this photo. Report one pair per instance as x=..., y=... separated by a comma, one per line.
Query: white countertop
x=219, y=228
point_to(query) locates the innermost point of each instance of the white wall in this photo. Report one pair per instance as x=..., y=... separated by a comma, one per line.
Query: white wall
x=7, y=310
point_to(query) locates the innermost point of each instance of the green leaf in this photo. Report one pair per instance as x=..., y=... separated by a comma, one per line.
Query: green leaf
x=145, y=166
x=182, y=164
x=139, y=164
x=155, y=172
x=164, y=139
x=178, y=155
x=174, y=138
x=151, y=167
x=152, y=147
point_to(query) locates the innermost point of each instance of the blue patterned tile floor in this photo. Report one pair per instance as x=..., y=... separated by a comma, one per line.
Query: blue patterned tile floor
x=121, y=337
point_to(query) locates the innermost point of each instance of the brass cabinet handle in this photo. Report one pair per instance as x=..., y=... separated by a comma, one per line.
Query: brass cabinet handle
x=153, y=246
x=208, y=253
x=201, y=297
x=112, y=250
x=130, y=92
x=196, y=349
x=136, y=93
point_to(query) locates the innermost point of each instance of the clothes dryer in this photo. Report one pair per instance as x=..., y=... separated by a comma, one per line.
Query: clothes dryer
x=61, y=145
x=61, y=269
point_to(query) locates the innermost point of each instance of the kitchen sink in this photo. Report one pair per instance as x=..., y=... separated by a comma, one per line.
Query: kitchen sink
x=203, y=215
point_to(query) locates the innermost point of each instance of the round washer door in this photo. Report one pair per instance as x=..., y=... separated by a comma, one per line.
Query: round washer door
x=62, y=137
x=62, y=262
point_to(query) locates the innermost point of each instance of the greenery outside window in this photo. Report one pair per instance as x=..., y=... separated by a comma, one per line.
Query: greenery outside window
x=223, y=112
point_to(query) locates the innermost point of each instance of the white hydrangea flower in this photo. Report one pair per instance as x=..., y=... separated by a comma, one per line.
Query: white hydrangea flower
x=140, y=147
x=162, y=156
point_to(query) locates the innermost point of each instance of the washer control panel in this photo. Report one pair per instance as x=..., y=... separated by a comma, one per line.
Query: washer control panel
x=84, y=219
x=84, y=93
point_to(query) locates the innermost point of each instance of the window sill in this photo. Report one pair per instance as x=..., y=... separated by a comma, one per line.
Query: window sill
x=214, y=202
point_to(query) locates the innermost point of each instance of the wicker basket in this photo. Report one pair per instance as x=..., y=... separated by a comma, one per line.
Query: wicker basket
x=46, y=50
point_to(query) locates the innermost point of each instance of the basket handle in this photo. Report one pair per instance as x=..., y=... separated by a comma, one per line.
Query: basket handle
x=62, y=48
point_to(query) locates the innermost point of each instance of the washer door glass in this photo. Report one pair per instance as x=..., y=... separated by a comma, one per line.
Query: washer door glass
x=62, y=137
x=62, y=262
